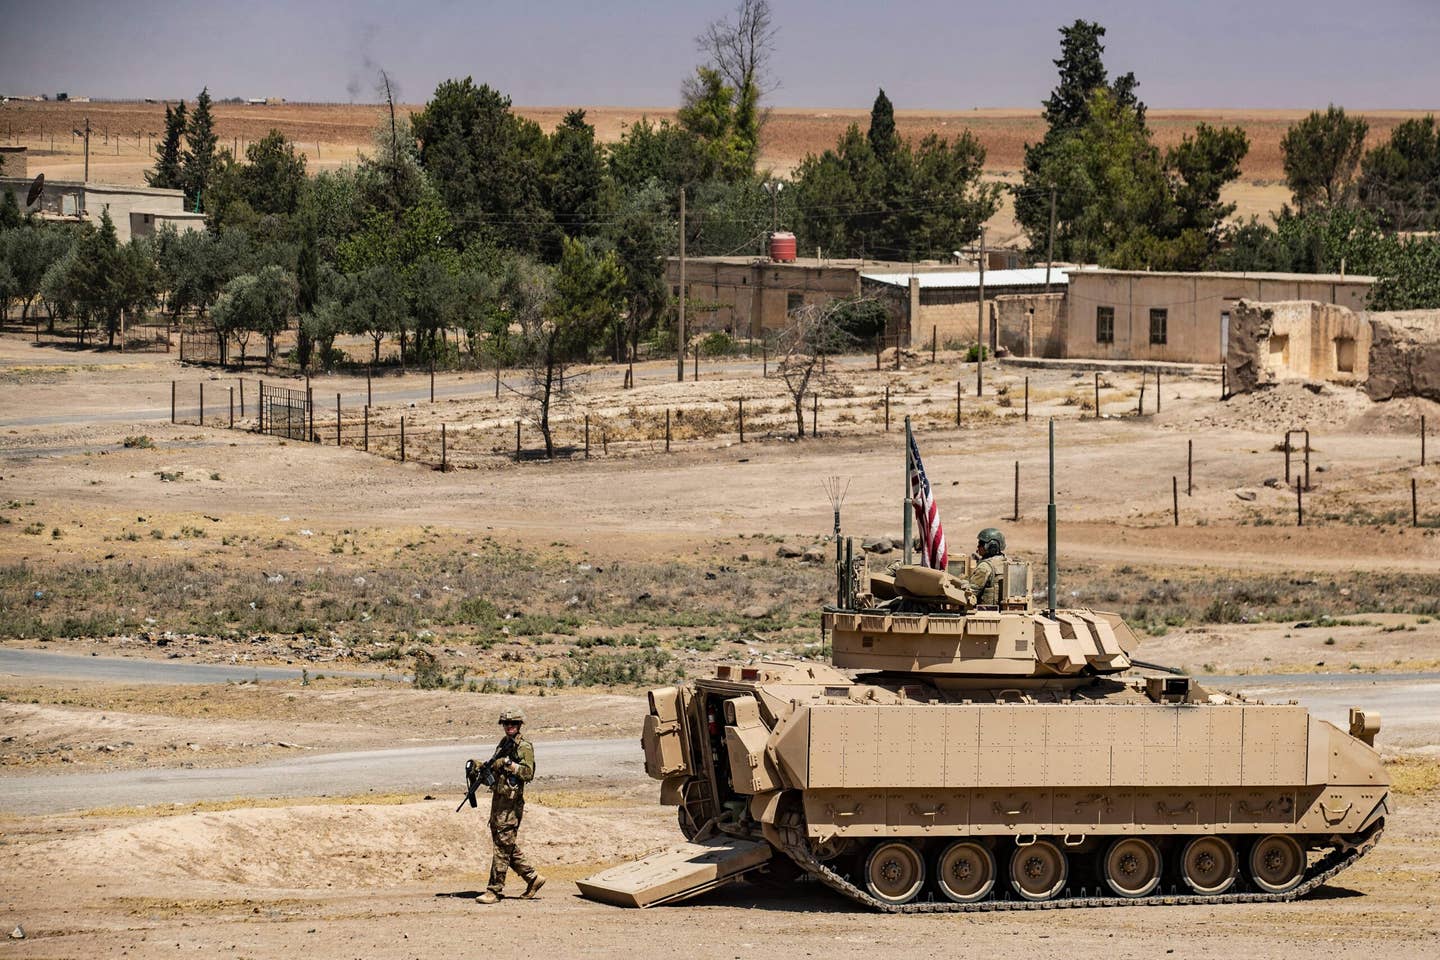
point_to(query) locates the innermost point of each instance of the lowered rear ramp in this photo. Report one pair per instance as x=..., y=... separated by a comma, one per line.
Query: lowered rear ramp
x=674, y=874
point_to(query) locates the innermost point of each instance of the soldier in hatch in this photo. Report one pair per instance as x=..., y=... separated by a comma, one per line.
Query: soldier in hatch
x=984, y=580
x=514, y=766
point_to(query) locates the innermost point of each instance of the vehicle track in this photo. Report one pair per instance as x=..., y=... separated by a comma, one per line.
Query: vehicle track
x=797, y=846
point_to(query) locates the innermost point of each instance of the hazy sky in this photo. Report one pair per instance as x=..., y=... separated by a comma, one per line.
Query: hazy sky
x=1362, y=54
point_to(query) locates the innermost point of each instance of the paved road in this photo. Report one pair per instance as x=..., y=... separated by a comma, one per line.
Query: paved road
x=69, y=666
x=436, y=769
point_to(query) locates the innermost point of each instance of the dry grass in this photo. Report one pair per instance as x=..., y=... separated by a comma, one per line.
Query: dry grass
x=1413, y=776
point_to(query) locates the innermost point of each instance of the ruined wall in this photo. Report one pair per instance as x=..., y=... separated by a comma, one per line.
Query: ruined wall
x=1031, y=325
x=1296, y=340
x=1404, y=356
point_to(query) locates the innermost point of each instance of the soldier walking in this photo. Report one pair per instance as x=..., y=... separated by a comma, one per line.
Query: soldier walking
x=514, y=766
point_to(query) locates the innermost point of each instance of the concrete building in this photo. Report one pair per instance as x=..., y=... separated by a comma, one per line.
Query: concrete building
x=1181, y=317
x=751, y=296
x=945, y=305
x=135, y=211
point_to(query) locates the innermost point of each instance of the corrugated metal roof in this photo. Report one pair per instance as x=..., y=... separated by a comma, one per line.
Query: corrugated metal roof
x=970, y=279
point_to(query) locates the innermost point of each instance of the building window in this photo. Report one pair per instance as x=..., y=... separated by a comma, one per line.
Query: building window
x=794, y=301
x=1345, y=354
x=1158, y=319
x=1104, y=324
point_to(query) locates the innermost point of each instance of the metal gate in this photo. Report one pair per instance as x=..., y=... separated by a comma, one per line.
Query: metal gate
x=285, y=412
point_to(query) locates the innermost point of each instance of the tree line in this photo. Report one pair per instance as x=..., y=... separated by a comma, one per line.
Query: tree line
x=1120, y=201
x=469, y=231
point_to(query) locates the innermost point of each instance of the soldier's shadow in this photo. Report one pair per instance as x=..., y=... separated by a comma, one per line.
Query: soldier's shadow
x=460, y=894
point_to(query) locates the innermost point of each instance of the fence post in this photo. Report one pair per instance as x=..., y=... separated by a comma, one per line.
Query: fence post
x=1307, y=458
x=887, y=408
x=764, y=358
x=497, y=375
x=932, y=343
x=897, y=351
x=696, y=377
x=980, y=373
x=517, y=441
x=432, y=381
x=959, y=392
x=1027, y=399
x=172, y=401
x=260, y=407
x=878, y=339
x=587, y=436
x=742, y=419
x=1140, y=404
x=1097, y=394
x=310, y=405
x=242, y=396
x=1414, y=505
x=1224, y=381
x=1016, y=515
x=604, y=442
x=369, y=390
x=1175, y=498
x=667, y=429
x=1422, y=439
x=232, y=408
x=402, y=439
x=814, y=415
x=1299, y=503
x=366, y=440
x=1157, y=389
x=202, y=403
x=1287, y=458
x=443, y=449
x=337, y=419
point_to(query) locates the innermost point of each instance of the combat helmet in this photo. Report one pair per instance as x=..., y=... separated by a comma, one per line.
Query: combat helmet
x=512, y=715
x=992, y=542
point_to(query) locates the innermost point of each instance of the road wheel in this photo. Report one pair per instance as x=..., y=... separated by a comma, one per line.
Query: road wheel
x=1131, y=867
x=1039, y=870
x=1208, y=865
x=1277, y=863
x=965, y=871
x=894, y=872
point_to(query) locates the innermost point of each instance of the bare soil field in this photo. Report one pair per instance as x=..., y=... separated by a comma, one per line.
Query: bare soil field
x=568, y=586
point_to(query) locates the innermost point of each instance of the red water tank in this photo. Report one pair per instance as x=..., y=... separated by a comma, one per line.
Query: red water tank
x=782, y=247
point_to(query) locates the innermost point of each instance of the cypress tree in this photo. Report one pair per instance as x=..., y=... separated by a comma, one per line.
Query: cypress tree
x=199, y=156
x=167, y=172
x=882, y=135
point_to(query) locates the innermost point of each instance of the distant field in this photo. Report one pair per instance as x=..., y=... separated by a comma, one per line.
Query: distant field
x=331, y=134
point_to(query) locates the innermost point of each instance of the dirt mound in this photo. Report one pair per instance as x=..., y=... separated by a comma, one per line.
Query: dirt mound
x=310, y=847
x=1401, y=415
x=1291, y=405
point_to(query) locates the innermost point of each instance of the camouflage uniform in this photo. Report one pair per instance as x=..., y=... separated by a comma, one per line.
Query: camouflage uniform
x=507, y=807
x=984, y=580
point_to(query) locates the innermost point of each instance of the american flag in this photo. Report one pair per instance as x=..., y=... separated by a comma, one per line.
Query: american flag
x=927, y=513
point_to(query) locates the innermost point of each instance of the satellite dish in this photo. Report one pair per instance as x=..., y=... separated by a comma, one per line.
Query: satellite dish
x=36, y=189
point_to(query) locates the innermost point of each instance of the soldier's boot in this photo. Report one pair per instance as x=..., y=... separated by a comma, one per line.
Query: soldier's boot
x=533, y=887
x=488, y=896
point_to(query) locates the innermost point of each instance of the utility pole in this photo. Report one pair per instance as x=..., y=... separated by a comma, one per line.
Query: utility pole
x=1050, y=241
x=980, y=324
x=680, y=327
x=87, y=149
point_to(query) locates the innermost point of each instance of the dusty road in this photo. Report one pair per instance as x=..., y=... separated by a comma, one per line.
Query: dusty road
x=411, y=769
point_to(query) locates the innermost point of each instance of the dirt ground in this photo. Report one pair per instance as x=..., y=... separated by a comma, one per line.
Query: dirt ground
x=1235, y=588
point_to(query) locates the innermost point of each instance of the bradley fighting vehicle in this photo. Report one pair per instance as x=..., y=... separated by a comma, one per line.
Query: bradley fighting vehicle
x=958, y=757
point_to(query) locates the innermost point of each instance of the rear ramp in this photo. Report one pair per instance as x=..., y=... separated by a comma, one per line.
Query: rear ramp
x=681, y=871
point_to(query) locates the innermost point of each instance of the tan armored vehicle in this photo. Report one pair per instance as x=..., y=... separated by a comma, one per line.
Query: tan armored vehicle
x=959, y=757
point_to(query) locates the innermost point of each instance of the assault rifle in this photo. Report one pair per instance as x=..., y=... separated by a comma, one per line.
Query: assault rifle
x=484, y=775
